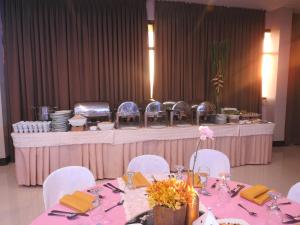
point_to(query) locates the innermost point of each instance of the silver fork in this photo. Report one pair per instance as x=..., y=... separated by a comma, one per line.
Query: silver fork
x=250, y=213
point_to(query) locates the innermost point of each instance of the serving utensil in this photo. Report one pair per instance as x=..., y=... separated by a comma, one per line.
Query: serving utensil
x=118, y=204
x=250, y=213
x=69, y=217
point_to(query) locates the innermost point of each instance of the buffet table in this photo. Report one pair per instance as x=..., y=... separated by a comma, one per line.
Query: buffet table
x=107, y=153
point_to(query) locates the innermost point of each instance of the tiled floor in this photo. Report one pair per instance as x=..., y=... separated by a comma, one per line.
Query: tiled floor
x=20, y=205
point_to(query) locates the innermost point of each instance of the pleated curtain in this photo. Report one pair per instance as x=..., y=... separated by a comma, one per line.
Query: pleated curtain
x=293, y=95
x=59, y=52
x=186, y=34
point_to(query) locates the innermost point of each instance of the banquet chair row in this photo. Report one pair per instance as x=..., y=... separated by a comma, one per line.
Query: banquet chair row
x=69, y=179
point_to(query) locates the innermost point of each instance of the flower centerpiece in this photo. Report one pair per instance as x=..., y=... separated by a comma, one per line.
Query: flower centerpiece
x=169, y=199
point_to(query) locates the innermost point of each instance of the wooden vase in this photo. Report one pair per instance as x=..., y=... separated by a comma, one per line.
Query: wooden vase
x=192, y=210
x=167, y=216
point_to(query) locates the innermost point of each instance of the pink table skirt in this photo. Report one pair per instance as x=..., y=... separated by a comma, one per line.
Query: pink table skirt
x=226, y=208
x=34, y=164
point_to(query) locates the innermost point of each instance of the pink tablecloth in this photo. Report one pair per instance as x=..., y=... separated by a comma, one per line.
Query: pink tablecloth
x=227, y=209
x=113, y=217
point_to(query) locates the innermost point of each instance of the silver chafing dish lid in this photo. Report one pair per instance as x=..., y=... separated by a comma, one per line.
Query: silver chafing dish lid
x=169, y=104
x=181, y=106
x=155, y=108
x=207, y=107
x=128, y=109
x=92, y=109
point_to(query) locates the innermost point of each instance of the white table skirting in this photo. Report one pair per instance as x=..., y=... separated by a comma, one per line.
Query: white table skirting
x=107, y=160
x=21, y=140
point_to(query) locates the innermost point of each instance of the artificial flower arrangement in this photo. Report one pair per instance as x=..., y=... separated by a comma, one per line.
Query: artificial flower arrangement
x=170, y=193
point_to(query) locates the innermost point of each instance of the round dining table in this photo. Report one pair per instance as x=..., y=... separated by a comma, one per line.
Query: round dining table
x=135, y=202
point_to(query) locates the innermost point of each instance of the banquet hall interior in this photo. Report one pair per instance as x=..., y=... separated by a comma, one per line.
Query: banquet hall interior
x=108, y=99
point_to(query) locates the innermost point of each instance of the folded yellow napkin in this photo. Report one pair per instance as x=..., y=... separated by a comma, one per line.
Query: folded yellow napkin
x=197, y=183
x=257, y=194
x=79, y=201
x=138, y=180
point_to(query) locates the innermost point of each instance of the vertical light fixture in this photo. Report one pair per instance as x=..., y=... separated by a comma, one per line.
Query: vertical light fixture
x=269, y=64
x=151, y=56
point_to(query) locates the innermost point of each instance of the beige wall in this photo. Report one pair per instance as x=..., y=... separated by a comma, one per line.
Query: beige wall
x=280, y=22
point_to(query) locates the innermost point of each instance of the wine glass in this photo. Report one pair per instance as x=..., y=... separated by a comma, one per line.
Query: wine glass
x=203, y=173
x=130, y=183
x=95, y=192
x=179, y=169
x=223, y=189
x=274, y=212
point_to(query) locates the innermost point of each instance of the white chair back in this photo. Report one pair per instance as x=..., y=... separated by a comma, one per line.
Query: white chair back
x=149, y=164
x=294, y=193
x=216, y=161
x=66, y=180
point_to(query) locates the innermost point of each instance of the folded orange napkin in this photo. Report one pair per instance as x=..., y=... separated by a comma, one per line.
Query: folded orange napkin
x=257, y=194
x=138, y=180
x=79, y=201
x=197, y=183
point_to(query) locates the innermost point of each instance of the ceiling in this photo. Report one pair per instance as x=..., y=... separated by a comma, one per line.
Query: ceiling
x=268, y=5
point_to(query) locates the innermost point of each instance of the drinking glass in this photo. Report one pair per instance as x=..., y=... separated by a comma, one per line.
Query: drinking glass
x=274, y=197
x=130, y=184
x=223, y=189
x=95, y=192
x=203, y=173
x=179, y=174
x=274, y=213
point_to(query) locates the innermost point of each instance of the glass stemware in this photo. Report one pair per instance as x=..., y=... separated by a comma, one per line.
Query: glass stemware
x=274, y=213
x=130, y=184
x=203, y=173
x=274, y=197
x=179, y=174
x=223, y=189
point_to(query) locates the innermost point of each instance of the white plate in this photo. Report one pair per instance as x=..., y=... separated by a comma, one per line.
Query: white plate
x=158, y=126
x=183, y=125
x=233, y=220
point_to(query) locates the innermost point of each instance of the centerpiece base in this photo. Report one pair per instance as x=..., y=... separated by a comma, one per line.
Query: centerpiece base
x=164, y=215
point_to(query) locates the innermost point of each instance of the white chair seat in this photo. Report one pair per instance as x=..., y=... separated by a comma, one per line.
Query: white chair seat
x=149, y=164
x=65, y=181
x=216, y=161
x=294, y=193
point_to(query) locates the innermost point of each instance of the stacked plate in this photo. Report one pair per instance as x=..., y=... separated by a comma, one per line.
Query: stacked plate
x=60, y=121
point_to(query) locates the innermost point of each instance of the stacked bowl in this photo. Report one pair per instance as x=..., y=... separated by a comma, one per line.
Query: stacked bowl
x=60, y=120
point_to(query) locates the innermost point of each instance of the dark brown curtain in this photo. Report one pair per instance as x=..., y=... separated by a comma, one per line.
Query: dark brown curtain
x=293, y=94
x=59, y=52
x=185, y=36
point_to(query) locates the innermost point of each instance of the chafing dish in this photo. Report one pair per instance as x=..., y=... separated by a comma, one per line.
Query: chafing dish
x=93, y=111
x=204, y=111
x=129, y=113
x=181, y=113
x=155, y=112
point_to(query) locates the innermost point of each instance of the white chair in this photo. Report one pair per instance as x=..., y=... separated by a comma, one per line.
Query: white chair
x=216, y=161
x=294, y=193
x=149, y=164
x=65, y=181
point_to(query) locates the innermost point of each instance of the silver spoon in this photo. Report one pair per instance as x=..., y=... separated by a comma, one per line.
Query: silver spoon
x=118, y=204
x=69, y=217
x=250, y=213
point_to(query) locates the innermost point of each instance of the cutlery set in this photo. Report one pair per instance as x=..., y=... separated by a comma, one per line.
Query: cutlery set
x=68, y=215
x=113, y=188
x=292, y=219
